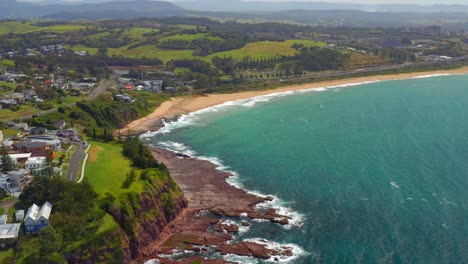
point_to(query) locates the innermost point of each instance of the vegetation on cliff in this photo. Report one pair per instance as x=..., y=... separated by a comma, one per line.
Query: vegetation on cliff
x=92, y=223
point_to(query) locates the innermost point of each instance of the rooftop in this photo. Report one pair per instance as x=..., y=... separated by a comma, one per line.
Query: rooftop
x=9, y=231
x=35, y=212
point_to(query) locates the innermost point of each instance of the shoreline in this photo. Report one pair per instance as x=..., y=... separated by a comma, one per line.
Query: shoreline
x=213, y=203
x=217, y=211
x=178, y=106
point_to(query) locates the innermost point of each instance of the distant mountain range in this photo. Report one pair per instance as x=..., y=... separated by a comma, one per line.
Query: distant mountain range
x=13, y=9
x=311, y=13
x=265, y=6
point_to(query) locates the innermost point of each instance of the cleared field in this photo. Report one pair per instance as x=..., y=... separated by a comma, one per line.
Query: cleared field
x=91, y=51
x=190, y=37
x=25, y=110
x=16, y=27
x=107, y=168
x=254, y=50
x=152, y=52
x=61, y=28
x=136, y=33
x=357, y=60
x=264, y=49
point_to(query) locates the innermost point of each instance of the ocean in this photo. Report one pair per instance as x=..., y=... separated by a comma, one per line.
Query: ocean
x=371, y=173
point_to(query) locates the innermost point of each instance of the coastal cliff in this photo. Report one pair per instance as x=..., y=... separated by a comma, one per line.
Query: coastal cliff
x=141, y=220
x=146, y=216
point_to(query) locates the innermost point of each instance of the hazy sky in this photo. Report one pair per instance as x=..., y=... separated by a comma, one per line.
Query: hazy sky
x=421, y=2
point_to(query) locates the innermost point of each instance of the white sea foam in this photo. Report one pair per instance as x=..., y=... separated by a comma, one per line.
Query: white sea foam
x=194, y=117
x=296, y=250
x=431, y=75
x=152, y=261
x=282, y=208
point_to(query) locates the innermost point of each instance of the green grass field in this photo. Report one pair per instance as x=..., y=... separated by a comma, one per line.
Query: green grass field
x=91, y=51
x=7, y=62
x=190, y=37
x=152, y=52
x=264, y=49
x=12, y=86
x=16, y=27
x=61, y=28
x=254, y=50
x=25, y=110
x=107, y=168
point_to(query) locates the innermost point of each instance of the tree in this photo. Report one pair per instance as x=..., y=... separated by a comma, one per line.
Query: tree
x=49, y=170
x=7, y=163
x=50, y=242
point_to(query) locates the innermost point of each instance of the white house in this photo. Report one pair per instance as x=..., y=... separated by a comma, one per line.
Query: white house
x=35, y=165
x=37, y=218
x=8, y=234
x=19, y=157
x=7, y=183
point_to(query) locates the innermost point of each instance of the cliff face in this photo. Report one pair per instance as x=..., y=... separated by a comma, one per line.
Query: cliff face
x=144, y=216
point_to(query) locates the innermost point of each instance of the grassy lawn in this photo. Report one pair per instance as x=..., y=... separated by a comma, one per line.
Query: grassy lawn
x=136, y=33
x=264, y=49
x=7, y=114
x=5, y=253
x=61, y=28
x=181, y=71
x=107, y=168
x=10, y=132
x=8, y=198
x=8, y=84
x=190, y=37
x=91, y=51
x=7, y=62
x=152, y=52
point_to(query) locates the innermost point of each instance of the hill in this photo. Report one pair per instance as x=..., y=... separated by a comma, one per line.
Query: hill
x=13, y=9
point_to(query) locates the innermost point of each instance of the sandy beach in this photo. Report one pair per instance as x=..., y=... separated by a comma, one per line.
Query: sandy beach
x=183, y=105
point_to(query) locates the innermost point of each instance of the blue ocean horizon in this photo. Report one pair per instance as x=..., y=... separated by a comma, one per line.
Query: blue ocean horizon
x=374, y=173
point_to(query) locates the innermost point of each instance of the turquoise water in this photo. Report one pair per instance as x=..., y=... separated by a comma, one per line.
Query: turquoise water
x=378, y=171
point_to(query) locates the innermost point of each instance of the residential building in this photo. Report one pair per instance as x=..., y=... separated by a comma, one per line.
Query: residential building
x=60, y=124
x=37, y=149
x=35, y=165
x=8, y=184
x=51, y=141
x=20, y=178
x=9, y=234
x=129, y=86
x=19, y=158
x=37, y=218
x=38, y=131
x=21, y=126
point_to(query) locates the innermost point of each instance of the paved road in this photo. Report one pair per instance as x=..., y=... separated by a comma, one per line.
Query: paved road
x=74, y=168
